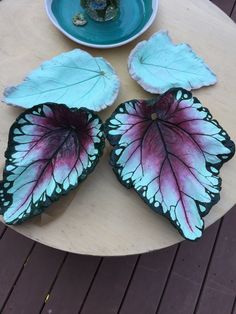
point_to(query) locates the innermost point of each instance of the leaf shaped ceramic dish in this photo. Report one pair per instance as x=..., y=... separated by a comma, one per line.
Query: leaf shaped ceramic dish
x=158, y=65
x=51, y=149
x=74, y=78
x=170, y=151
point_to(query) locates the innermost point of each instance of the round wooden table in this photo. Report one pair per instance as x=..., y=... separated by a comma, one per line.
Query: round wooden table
x=101, y=217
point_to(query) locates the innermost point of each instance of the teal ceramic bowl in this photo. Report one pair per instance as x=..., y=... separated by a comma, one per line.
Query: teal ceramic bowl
x=135, y=17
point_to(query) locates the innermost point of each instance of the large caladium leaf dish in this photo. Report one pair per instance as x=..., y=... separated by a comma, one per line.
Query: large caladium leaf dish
x=170, y=150
x=51, y=149
x=74, y=78
x=158, y=65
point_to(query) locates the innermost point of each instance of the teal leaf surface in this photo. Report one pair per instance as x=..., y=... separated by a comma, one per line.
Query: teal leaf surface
x=51, y=149
x=74, y=78
x=170, y=151
x=158, y=65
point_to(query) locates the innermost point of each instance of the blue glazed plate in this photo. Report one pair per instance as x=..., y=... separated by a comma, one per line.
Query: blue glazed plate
x=135, y=18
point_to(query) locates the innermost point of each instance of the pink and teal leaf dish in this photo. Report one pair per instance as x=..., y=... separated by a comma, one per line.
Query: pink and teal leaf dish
x=170, y=150
x=158, y=65
x=51, y=150
x=74, y=78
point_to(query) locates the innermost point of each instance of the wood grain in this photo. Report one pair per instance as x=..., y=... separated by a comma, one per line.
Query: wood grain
x=218, y=294
x=226, y=6
x=32, y=287
x=233, y=15
x=14, y=251
x=102, y=217
x=150, y=277
x=161, y=276
x=109, y=285
x=188, y=273
x=71, y=287
x=2, y=229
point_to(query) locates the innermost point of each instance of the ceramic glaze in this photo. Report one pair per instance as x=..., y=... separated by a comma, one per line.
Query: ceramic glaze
x=74, y=78
x=170, y=150
x=101, y=10
x=158, y=64
x=51, y=150
x=135, y=17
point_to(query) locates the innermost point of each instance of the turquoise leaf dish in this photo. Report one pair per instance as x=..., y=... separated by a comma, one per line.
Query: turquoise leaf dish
x=75, y=78
x=158, y=65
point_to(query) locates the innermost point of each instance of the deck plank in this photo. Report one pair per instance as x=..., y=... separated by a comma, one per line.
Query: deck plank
x=2, y=229
x=187, y=274
x=150, y=277
x=70, y=289
x=35, y=281
x=14, y=250
x=233, y=15
x=109, y=286
x=219, y=291
x=234, y=308
x=225, y=5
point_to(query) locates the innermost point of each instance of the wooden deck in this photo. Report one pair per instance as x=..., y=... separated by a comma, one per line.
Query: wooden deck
x=188, y=278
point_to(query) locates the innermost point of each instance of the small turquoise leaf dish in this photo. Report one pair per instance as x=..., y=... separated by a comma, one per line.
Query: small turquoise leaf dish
x=51, y=150
x=170, y=151
x=74, y=78
x=158, y=65
x=135, y=17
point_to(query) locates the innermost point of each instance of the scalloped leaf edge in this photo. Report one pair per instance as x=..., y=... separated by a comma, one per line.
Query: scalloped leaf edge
x=157, y=90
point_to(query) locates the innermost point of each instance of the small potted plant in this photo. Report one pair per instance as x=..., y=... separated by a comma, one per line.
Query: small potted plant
x=101, y=10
